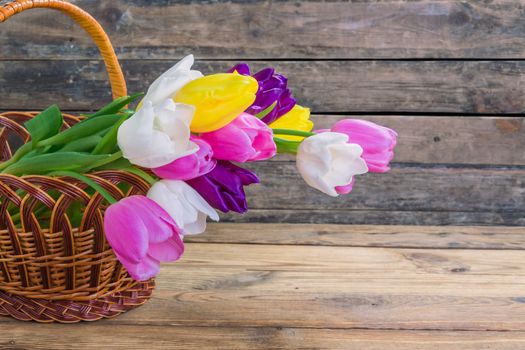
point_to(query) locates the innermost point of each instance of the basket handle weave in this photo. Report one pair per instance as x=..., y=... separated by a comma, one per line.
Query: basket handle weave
x=88, y=23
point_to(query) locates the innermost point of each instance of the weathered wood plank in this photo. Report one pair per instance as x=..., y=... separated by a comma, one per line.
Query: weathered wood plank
x=93, y=336
x=283, y=29
x=471, y=237
x=384, y=217
x=325, y=86
x=451, y=140
x=444, y=140
x=403, y=188
x=232, y=285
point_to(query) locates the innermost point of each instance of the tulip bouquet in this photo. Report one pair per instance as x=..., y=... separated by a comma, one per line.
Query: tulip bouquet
x=187, y=137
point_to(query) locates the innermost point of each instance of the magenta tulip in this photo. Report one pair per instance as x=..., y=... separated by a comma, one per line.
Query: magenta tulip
x=346, y=189
x=191, y=166
x=377, y=141
x=142, y=235
x=245, y=139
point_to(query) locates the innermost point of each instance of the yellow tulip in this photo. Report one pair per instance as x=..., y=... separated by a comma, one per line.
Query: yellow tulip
x=297, y=119
x=218, y=98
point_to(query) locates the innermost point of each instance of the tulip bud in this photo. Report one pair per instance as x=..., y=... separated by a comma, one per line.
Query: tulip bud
x=218, y=98
x=184, y=204
x=327, y=161
x=245, y=139
x=157, y=135
x=142, y=235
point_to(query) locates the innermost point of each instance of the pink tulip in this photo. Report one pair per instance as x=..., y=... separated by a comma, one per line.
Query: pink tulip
x=142, y=234
x=245, y=139
x=346, y=189
x=191, y=166
x=377, y=141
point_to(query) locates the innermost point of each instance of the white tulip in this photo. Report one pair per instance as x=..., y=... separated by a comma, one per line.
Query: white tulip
x=171, y=81
x=185, y=205
x=157, y=135
x=327, y=160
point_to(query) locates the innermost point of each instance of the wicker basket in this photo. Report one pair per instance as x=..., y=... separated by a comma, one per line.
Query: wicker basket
x=63, y=269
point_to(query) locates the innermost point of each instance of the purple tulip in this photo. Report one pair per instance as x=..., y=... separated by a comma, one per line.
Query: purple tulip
x=245, y=139
x=223, y=188
x=377, y=141
x=191, y=166
x=272, y=89
x=142, y=234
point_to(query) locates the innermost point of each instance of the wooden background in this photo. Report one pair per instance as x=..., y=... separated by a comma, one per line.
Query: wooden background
x=449, y=76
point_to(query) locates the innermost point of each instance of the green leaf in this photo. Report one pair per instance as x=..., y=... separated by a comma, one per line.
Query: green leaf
x=267, y=111
x=121, y=163
x=85, y=144
x=45, y=124
x=109, y=141
x=45, y=163
x=85, y=128
x=88, y=182
x=37, y=151
x=116, y=105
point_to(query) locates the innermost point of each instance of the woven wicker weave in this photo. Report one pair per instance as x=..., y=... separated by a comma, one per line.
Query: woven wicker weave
x=61, y=268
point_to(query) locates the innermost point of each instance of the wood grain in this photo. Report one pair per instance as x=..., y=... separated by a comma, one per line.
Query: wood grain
x=454, y=237
x=403, y=188
x=238, y=285
x=447, y=140
x=38, y=337
x=325, y=86
x=283, y=29
x=375, y=217
x=444, y=74
x=451, y=140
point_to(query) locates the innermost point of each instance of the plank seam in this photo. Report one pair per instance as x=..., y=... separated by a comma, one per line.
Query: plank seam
x=371, y=246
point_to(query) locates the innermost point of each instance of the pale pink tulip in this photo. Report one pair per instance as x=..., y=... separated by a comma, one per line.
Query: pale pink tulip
x=142, y=235
x=245, y=139
x=191, y=166
x=377, y=141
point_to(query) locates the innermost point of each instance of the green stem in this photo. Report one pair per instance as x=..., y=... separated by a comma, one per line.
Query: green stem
x=22, y=151
x=286, y=146
x=293, y=132
x=144, y=175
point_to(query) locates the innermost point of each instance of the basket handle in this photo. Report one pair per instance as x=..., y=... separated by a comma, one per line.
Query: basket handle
x=88, y=23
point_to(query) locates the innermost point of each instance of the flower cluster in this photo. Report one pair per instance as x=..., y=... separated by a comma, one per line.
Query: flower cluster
x=189, y=137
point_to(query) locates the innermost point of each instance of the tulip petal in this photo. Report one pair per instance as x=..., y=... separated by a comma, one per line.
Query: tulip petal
x=184, y=204
x=346, y=189
x=245, y=139
x=171, y=81
x=170, y=250
x=143, y=270
x=190, y=166
x=219, y=98
x=156, y=136
x=125, y=229
x=298, y=118
x=326, y=161
x=377, y=141
x=200, y=204
x=160, y=224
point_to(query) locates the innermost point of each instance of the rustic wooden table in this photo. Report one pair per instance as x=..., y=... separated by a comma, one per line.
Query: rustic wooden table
x=296, y=271
x=293, y=286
